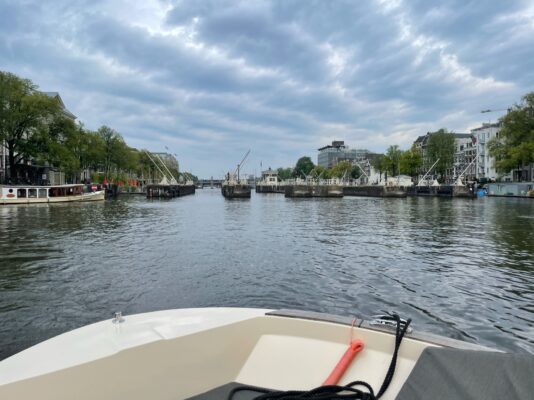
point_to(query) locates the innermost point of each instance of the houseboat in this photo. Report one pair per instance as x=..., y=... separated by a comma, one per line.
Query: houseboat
x=18, y=194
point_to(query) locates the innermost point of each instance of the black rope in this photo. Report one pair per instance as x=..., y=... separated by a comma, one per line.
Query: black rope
x=335, y=392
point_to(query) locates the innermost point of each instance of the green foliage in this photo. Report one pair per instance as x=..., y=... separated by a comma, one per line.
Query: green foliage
x=410, y=162
x=35, y=128
x=342, y=169
x=319, y=172
x=285, y=173
x=25, y=114
x=355, y=172
x=303, y=167
x=441, y=146
x=391, y=160
x=378, y=163
x=116, y=155
x=514, y=146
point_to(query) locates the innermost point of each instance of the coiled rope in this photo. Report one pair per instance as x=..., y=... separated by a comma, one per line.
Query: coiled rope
x=352, y=390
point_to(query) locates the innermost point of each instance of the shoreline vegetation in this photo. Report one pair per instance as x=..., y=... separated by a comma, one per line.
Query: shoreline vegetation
x=37, y=130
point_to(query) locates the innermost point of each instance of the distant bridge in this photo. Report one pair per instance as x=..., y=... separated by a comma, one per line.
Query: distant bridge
x=202, y=183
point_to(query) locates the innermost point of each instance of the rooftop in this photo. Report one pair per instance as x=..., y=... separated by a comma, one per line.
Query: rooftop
x=58, y=97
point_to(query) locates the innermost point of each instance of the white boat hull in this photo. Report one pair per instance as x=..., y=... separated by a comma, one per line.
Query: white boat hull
x=177, y=354
x=93, y=196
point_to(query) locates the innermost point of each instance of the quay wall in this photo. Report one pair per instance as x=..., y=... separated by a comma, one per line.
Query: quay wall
x=375, y=191
x=296, y=191
x=441, y=191
x=270, y=189
x=169, y=191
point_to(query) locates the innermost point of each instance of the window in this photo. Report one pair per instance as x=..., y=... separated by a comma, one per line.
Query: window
x=21, y=193
x=32, y=193
x=43, y=193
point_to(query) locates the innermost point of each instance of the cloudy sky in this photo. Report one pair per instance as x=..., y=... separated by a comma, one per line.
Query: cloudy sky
x=211, y=79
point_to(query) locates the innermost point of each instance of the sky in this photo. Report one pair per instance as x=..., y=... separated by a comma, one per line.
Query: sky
x=211, y=79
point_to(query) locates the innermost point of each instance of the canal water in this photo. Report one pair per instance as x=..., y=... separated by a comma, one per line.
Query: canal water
x=459, y=268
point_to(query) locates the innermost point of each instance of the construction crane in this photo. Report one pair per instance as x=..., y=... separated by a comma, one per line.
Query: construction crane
x=241, y=164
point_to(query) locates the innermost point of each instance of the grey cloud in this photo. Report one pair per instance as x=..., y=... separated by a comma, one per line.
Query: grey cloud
x=212, y=78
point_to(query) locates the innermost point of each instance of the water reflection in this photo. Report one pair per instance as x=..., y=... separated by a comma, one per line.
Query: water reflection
x=460, y=268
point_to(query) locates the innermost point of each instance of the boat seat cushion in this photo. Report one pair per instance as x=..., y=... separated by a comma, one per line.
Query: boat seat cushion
x=222, y=392
x=444, y=374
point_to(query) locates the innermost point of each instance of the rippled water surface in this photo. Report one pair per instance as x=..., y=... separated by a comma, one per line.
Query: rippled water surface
x=460, y=268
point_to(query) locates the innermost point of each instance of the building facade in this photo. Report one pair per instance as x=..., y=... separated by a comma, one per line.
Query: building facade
x=330, y=155
x=464, y=164
x=485, y=164
x=464, y=154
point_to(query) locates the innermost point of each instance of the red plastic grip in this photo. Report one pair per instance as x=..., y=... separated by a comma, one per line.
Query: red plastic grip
x=354, y=348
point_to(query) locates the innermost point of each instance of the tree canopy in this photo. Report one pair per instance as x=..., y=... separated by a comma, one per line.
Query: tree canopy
x=391, y=160
x=285, y=173
x=303, y=167
x=34, y=127
x=410, y=162
x=25, y=117
x=441, y=146
x=514, y=146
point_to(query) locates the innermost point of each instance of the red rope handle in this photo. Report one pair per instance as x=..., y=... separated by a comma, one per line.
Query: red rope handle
x=354, y=348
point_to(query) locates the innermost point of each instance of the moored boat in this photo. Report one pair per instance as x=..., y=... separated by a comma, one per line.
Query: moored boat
x=235, y=190
x=233, y=187
x=48, y=194
x=232, y=353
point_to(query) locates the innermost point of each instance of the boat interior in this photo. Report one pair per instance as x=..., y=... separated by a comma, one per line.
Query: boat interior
x=187, y=356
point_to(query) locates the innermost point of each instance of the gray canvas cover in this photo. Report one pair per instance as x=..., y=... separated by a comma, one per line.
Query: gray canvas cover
x=445, y=374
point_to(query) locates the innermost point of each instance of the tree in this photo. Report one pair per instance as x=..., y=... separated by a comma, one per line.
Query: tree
x=514, y=146
x=303, y=167
x=319, y=172
x=441, y=146
x=61, y=146
x=285, y=173
x=342, y=169
x=24, y=117
x=392, y=159
x=410, y=162
x=355, y=172
x=116, y=154
x=378, y=163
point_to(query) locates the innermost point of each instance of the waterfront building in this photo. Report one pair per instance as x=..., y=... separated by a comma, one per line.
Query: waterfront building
x=463, y=155
x=464, y=158
x=330, y=155
x=485, y=164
